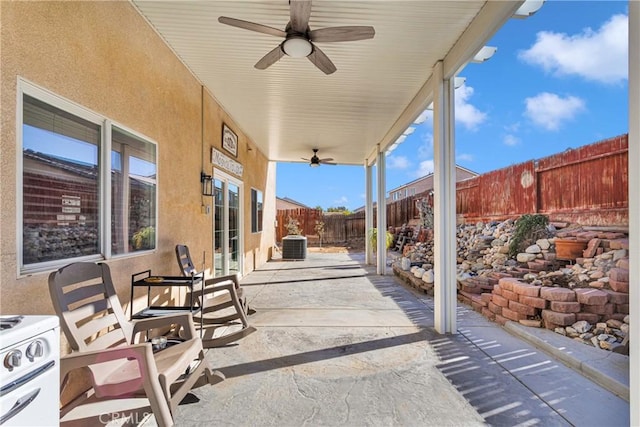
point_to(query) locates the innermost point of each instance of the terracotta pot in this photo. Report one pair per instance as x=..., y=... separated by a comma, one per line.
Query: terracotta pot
x=569, y=249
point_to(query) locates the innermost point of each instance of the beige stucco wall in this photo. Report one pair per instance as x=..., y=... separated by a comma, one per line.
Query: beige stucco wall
x=105, y=57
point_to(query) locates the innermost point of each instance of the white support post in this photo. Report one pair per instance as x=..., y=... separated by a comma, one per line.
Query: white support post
x=368, y=211
x=381, y=267
x=444, y=203
x=634, y=211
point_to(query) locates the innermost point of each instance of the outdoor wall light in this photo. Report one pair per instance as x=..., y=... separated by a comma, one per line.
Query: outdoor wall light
x=297, y=47
x=207, y=184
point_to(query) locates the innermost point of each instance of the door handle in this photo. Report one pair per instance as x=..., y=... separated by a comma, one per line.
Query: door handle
x=8, y=388
x=20, y=404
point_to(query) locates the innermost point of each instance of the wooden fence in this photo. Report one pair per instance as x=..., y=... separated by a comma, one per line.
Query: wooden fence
x=306, y=221
x=338, y=228
x=588, y=185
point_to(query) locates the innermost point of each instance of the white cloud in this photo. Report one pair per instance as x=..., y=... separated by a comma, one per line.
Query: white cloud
x=466, y=113
x=464, y=157
x=512, y=128
x=342, y=201
x=397, y=162
x=425, y=148
x=549, y=110
x=511, y=140
x=600, y=55
x=425, y=168
x=422, y=117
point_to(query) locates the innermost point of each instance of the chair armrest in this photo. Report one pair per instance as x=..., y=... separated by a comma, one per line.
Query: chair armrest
x=184, y=320
x=224, y=286
x=140, y=352
x=216, y=281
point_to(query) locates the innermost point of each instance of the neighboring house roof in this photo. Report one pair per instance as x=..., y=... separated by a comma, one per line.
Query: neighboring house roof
x=68, y=165
x=459, y=169
x=361, y=208
x=288, y=202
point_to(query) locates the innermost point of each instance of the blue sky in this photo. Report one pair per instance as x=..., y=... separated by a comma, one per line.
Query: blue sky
x=558, y=80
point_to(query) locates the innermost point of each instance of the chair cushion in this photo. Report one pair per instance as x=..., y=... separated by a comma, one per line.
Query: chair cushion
x=122, y=376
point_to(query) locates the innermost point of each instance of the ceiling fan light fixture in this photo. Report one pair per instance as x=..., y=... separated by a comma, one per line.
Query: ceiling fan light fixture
x=297, y=47
x=314, y=165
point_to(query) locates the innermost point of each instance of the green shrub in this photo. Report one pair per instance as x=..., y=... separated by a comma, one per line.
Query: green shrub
x=373, y=238
x=145, y=238
x=529, y=228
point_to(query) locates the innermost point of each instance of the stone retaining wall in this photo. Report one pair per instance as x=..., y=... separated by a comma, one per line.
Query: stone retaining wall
x=550, y=307
x=595, y=312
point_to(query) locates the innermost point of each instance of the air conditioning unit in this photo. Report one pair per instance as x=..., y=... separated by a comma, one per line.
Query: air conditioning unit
x=294, y=247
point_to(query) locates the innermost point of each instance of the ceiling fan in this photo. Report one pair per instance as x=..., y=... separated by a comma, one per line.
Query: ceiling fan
x=315, y=161
x=299, y=39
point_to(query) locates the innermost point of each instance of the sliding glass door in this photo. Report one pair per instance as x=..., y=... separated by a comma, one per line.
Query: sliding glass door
x=227, y=225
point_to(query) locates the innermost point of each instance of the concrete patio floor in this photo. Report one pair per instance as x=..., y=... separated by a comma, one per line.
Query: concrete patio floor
x=339, y=345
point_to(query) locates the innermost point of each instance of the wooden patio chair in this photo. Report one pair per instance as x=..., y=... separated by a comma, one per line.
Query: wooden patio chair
x=222, y=303
x=103, y=344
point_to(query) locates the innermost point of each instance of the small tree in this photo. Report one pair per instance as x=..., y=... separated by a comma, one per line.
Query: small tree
x=319, y=228
x=293, y=226
x=340, y=209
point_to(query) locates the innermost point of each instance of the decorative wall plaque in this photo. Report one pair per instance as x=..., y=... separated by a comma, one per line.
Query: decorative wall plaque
x=229, y=140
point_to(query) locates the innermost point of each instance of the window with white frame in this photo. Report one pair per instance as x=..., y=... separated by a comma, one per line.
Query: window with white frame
x=256, y=211
x=67, y=195
x=133, y=193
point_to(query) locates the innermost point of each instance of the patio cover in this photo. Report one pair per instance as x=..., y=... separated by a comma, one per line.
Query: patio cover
x=379, y=88
x=381, y=85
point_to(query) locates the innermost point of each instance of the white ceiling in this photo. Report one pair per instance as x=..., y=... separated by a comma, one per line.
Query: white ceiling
x=380, y=85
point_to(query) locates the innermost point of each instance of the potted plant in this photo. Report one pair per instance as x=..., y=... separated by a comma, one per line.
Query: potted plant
x=373, y=239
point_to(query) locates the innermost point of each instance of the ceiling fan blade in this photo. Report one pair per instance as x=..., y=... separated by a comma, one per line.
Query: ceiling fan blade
x=270, y=58
x=300, y=11
x=328, y=159
x=306, y=160
x=328, y=163
x=251, y=26
x=342, y=34
x=322, y=61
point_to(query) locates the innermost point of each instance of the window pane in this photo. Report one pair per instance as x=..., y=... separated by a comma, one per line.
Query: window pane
x=256, y=211
x=254, y=208
x=259, y=211
x=60, y=184
x=219, y=228
x=133, y=193
x=234, y=231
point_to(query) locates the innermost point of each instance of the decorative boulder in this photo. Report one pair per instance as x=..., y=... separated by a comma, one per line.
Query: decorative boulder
x=428, y=276
x=524, y=257
x=533, y=249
